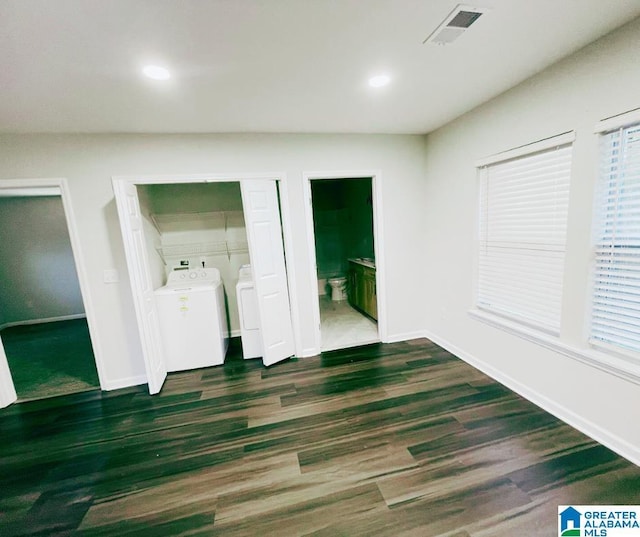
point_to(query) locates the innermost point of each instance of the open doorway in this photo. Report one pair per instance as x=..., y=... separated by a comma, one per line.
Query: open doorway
x=43, y=325
x=343, y=233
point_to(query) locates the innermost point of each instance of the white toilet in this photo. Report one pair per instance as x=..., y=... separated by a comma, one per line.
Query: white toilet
x=338, y=289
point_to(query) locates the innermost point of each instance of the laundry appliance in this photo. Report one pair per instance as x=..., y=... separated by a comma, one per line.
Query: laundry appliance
x=193, y=319
x=249, y=315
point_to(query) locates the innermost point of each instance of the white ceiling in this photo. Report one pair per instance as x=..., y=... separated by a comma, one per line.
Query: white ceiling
x=273, y=65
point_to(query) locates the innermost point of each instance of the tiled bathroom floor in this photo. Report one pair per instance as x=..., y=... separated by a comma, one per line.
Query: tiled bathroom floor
x=342, y=326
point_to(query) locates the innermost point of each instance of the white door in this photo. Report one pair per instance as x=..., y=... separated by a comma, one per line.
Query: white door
x=7, y=390
x=141, y=286
x=264, y=233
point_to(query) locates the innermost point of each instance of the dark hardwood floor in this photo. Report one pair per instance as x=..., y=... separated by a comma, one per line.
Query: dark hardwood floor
x=395, y=440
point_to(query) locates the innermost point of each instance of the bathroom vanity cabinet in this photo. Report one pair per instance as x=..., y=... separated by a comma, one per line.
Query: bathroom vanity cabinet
x=362, y=286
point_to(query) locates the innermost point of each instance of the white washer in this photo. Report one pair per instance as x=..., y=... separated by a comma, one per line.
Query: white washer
x=193, y=319
x=248, y=311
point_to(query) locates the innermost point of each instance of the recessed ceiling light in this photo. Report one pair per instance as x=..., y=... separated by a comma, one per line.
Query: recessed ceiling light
x=379, y=81
x=156, y=72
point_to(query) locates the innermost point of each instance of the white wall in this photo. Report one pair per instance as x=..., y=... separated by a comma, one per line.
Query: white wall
x=89, y=162
x=38, y=279
x=598, y=82
x=194, y=197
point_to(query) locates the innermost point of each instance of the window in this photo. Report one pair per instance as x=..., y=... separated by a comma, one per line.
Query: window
x=524, y=200
x=615, y=318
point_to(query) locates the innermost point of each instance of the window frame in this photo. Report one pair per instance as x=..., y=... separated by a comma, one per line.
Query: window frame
x=482, y=311
x=616, y=124
x=604, y=358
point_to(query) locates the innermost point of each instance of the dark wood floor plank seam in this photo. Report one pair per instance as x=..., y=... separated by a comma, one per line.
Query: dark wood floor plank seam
x=399, y=440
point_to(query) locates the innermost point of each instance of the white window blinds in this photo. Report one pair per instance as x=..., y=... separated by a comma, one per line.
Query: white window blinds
x=616, y=292
x=523, y=221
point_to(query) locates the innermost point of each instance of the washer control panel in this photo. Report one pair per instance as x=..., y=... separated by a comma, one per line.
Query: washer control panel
x=194, y=276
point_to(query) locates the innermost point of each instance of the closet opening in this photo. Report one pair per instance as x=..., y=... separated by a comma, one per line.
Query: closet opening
x=199, y=229
x=206, y=256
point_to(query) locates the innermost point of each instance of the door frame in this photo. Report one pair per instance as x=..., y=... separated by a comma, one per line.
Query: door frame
x=120, y=181
x=378, y=246
x=7, y=388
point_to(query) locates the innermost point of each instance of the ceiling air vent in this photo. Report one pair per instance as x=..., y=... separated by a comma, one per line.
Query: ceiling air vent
x=455, y=24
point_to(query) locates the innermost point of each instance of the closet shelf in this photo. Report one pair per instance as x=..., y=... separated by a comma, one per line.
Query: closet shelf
x=220, y=220
x=184, y=235
x=202, y=249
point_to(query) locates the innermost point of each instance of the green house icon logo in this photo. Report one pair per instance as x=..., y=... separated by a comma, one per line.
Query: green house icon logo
x=570, y=522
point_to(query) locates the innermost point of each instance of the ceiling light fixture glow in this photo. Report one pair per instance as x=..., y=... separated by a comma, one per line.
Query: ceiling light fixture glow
x=379, y=81
x=156, y=72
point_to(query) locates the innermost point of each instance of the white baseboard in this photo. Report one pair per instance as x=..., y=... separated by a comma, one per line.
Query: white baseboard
x=45, y=320
x=592, y=430
x=124, y=382
x=395, y=338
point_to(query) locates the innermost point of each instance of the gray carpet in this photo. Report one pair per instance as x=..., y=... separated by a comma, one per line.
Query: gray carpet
x=50, y=359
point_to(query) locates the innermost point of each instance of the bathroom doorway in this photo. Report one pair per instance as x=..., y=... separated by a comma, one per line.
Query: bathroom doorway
x=344, y=249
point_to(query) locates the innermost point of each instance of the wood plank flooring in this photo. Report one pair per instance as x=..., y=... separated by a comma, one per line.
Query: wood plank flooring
x=395, y=440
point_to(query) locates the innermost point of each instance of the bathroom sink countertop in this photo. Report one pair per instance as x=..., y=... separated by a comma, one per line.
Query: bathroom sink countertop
x=366, y=261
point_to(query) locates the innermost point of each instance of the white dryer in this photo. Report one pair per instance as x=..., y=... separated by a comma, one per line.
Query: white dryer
x=248, y=311
x=193, y=319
